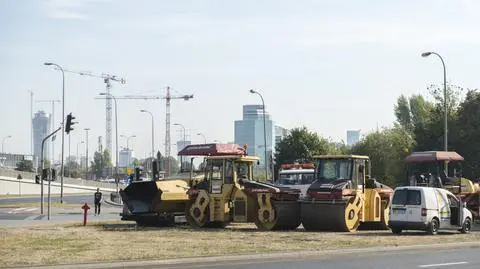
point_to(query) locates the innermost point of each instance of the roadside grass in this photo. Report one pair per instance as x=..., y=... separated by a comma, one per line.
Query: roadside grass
x=74, y=243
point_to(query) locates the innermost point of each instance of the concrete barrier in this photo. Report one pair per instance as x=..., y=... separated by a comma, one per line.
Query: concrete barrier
x=13, y=186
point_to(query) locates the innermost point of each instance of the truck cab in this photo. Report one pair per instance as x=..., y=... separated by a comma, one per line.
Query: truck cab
x=429, y=209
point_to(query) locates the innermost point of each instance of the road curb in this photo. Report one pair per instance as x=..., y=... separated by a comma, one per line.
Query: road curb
x=252, y=257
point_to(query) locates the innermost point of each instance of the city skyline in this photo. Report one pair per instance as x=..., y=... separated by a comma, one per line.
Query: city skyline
x=315, y=63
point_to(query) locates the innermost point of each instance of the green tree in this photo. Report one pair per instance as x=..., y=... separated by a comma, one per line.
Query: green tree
x=100, y=161
x=72, y=169
x=387, y=150
x=25, y=165
x=300, y=145
x=464, y=134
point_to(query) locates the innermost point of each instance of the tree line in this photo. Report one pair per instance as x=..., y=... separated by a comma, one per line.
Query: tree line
x=418, y=126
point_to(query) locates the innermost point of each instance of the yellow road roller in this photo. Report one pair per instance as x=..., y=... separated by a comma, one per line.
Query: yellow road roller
x=343, y=197
x=229, y=192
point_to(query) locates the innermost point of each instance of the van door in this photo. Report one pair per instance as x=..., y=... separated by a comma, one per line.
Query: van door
x=443, y=209
x=399, y=209
x=455, y=210
x=414, y=205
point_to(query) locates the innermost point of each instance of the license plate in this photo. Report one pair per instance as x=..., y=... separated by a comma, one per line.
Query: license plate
x=399, y=211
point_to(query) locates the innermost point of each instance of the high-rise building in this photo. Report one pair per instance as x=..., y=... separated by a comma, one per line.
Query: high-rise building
x=353, y=136
x=41, y=128
x=125, y=158
x=280, y=133
x=249, y=131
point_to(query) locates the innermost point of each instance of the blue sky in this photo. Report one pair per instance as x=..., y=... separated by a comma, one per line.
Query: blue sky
x=328, y=65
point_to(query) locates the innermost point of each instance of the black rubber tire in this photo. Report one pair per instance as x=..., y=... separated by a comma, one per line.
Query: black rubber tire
x=467, y=226
x=433, y=226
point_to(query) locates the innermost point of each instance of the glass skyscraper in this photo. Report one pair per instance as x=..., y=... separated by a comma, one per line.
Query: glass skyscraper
x=249, y=131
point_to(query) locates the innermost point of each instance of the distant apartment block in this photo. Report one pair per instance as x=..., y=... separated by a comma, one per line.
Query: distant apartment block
x=353, y=136
x=125, y=158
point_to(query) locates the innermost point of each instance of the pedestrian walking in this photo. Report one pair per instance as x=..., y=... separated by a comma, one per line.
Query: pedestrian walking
x=98, y=199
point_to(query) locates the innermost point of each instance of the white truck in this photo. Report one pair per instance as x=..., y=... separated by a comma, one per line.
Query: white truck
x=429, y=209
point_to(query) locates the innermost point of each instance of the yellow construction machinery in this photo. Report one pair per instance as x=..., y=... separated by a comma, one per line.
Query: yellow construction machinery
x=157, y=202
x=427, y=168
x=343, y=197
x=229, y=192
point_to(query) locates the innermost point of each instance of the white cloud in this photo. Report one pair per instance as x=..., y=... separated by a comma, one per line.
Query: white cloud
x=69, y=9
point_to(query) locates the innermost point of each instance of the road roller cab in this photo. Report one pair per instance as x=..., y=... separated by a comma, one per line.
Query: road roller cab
x=344, y=197
x=426, y=169
x=229, y=192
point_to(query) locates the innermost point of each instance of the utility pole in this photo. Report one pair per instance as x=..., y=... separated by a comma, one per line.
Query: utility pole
x=86, y=152
x=31, y=124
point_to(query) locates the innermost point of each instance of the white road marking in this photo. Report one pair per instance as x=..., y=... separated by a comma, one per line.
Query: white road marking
x=31, y=209
x=23, y=209
x=441, y=264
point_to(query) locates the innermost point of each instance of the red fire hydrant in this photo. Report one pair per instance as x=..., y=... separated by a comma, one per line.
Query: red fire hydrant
x=85, y=208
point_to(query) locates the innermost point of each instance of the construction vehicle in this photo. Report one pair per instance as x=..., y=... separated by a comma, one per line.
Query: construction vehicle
x=296, y=175
x=156, y=202
x=426, y=168
x=229, y=192
x=343, y=197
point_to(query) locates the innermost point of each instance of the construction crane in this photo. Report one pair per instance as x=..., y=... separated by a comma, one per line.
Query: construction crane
x=107, y=78
x=52, y=124
x=168, y=97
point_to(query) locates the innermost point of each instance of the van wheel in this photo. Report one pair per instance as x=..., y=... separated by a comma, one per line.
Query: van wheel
x=467, y=226
x=432, y=228
x=396, y=230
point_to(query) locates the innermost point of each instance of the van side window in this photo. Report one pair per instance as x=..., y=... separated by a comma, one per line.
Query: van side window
x=414, y=197
x=400, y=197
x=452, y=201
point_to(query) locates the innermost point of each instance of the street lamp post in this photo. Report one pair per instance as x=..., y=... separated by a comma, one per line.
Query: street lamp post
x=127, y=139
x=264, y=133
x=3, y=142
x=426, y=54
x=153, y=131
x=63, y=127
x=86, y=153
x=204, y=138
x=81, y=142
x=116, y=137
x=184, y=138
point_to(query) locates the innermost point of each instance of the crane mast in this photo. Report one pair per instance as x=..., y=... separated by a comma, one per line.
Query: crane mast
x=107, y=78
x=168, y=97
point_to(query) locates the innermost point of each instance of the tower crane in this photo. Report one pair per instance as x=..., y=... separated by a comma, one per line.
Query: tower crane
x=168, y=97
x=107, y=78
x=52, y=123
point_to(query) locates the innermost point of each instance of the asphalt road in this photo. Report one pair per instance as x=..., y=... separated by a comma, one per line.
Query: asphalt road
x=435, y=258
x=71, y=199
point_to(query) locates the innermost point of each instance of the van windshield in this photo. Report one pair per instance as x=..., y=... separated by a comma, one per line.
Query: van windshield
x=407, y=197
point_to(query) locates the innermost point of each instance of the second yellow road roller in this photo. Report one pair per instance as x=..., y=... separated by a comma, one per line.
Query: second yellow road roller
x=229, y=192
x=344, y=197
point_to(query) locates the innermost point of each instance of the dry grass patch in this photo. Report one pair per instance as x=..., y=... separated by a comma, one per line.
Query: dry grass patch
x=74, y=243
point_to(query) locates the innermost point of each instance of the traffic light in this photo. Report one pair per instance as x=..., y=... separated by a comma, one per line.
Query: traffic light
x=70, y=122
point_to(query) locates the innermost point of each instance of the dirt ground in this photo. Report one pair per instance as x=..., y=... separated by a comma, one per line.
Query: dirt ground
x=116, y=242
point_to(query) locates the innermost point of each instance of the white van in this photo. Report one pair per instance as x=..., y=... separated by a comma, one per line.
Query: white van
x=429, y=209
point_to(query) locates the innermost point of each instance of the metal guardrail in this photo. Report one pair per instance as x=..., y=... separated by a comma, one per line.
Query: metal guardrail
x=66, y=180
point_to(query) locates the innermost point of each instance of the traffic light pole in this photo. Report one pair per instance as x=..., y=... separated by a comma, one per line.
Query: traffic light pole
x=41, y=180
